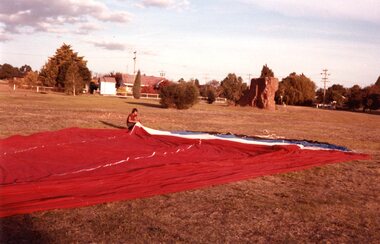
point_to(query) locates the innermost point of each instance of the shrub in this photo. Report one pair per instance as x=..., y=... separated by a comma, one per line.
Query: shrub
x=181, y=95
x=161, y=84
x=209, y=92
x=167, y=94
x=93, y=87
x=31, y=79
x=122, y=90
x=211, y=96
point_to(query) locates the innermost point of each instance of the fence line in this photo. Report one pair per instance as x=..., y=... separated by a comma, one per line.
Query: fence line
x=37, y=88
x=143, y=95
x=119, y=94
x=157, y=97
x=217, y=100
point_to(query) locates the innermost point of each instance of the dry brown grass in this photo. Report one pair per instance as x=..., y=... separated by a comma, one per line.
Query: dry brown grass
x=333, y=203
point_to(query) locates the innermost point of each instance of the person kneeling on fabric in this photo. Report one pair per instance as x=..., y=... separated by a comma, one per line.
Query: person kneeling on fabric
x=132, y=119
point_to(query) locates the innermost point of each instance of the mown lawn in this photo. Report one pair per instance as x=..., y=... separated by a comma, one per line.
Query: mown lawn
x=333, y=203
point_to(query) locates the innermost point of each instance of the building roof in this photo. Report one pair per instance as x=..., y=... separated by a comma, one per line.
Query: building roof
x=145, y=80
x=107, y=79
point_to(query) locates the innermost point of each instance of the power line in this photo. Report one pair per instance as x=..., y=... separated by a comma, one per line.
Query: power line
x=324, y=80
x=249, y=78
x=51, y=54
x=162, y=73
x=134, y=63
x=25, y=54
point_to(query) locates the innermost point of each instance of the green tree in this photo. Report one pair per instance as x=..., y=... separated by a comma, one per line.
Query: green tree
x=203, y=90
x=182, y=80
x=216, y=86
x=25, y=69
x=266, y=72
x=371, y=97
x=296, y=90
x=136, y=90
x=233, y=88
x=196, y=82
x=318, y=95
x=119, y=79
x=7, y=71
x=213, y=83
x=73, y=80
x=179, y=95
x=355, y=97
x=31, y=79
x=48, y=74
x=336, y=93
x=53, y=73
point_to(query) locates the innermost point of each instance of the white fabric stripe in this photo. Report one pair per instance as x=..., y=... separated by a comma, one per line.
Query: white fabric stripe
x=205, y=136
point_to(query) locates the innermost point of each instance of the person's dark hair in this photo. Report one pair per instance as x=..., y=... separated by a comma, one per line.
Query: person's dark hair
x=134, y=110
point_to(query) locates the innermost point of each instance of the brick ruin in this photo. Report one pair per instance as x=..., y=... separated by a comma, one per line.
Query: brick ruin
x=261, y=93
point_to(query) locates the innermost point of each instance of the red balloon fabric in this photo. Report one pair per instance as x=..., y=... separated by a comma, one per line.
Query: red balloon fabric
x=79, y=167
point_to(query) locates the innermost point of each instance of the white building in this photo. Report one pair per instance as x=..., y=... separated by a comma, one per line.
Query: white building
x=107, y=86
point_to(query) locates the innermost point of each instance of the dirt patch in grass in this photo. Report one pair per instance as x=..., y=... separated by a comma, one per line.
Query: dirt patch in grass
x=333, y=203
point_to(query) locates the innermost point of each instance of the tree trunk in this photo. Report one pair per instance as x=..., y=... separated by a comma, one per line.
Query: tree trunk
x=73, y=87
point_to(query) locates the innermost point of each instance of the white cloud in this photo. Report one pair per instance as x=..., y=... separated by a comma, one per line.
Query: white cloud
x=149, y=53
x=364, y=10
x=120, y=46
x=86, y=28
x=157, y=3
x=169, y=4
x=4, y=37
x=41, y=15
x=113, y=46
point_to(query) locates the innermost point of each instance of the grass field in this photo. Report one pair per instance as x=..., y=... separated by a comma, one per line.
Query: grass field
x=333, y=203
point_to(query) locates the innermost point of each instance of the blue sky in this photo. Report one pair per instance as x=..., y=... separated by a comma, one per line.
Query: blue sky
x=200, y=39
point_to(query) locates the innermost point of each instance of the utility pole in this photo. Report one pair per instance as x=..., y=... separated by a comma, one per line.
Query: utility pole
x=249, y=79
x=206, y=78
x=324, y=80
x=134, y=63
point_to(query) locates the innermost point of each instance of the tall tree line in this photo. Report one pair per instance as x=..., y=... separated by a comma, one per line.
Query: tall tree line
x=7, y=71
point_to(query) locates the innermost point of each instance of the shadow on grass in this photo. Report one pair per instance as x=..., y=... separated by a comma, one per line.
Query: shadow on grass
x=146, y=104
x=113, y=125
x=371, y=112
x=21, y=229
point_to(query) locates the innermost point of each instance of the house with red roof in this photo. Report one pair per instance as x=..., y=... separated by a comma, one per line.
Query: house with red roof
x=147, y=82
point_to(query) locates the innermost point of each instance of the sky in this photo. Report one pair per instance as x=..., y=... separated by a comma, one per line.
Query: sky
x=200, y=39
